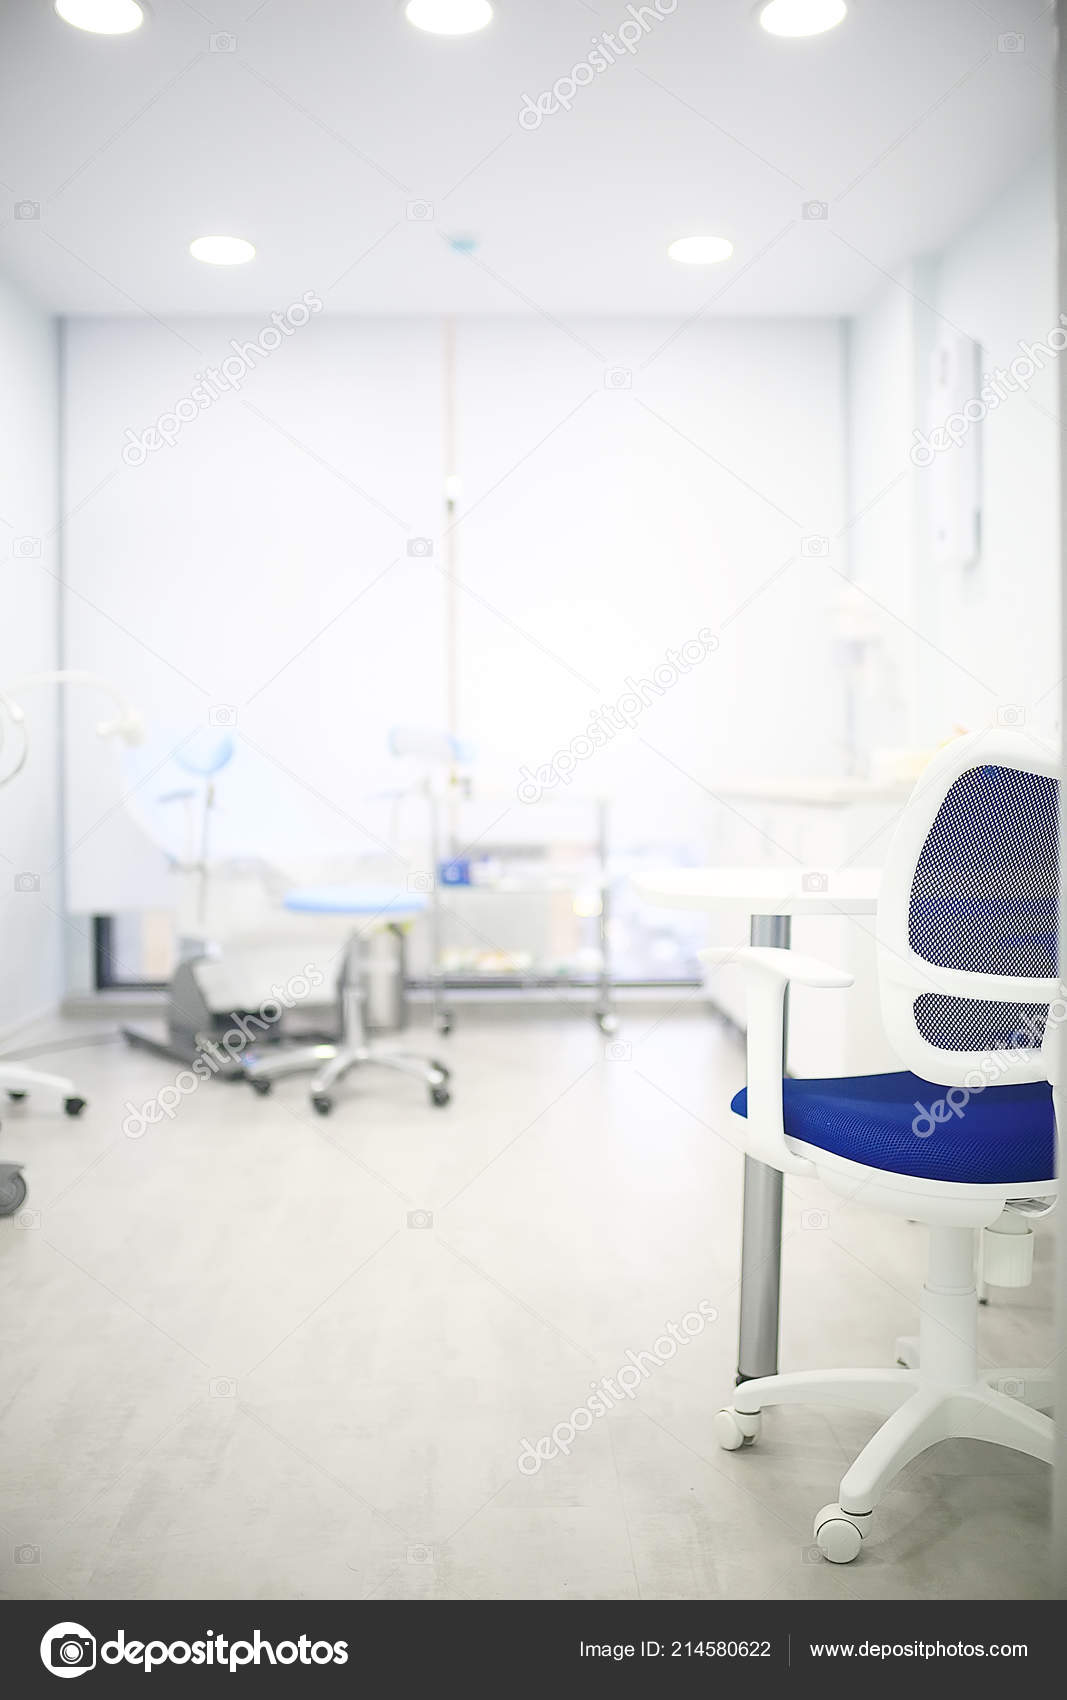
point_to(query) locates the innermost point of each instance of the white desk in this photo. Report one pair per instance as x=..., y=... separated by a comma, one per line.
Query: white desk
x=764, y=891
x=771, y=897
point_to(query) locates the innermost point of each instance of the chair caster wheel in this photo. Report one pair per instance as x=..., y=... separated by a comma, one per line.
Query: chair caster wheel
x=12, y=1193
x=440, y=1095
x=734, y=1429
x=837, y=1536
x=322, y=1104
x=607, y=1021
x=74, y=1106
x=17, y=1097
x=261, y=1086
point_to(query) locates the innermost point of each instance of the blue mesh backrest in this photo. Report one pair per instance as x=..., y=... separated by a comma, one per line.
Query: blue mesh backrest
x=984, y=899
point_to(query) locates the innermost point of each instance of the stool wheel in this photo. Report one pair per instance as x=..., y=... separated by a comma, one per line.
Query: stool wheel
x=321, y=1103
x=440, y=1095
x=734, y=1429
x=17, y=1097
x=74, y=1106
x=260, y=1085
x=836, y=1535
x=12, y=1193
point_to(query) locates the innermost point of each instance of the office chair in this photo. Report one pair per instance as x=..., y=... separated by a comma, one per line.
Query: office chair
x=967, y=965
x=382, y=915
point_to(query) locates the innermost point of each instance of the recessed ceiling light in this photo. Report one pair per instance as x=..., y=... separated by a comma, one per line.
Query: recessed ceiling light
x=102, y=17
x=222, y=250
x=801, y=17
x=448, y=17
x=700, y=250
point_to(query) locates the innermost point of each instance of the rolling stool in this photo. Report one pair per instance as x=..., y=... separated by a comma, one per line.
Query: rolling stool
x=354, y=1048
x=18, y=1080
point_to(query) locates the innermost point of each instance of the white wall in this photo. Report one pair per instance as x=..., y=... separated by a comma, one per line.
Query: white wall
x=251, y=564
x=998, y=282
x=257, y=566
x=882, y=403
x=958, y=645
x=30, y=925
x=646, y=514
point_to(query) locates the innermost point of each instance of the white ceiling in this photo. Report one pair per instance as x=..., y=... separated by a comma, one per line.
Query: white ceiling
x=331, y=116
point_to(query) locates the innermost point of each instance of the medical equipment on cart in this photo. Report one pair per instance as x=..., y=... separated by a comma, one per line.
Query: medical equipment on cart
x=469, y=857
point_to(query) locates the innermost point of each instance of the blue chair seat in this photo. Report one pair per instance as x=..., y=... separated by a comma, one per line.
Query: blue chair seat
x=906, y=1126
x=381, y=900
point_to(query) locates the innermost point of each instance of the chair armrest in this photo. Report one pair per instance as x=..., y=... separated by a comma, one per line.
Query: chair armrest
x=768, y=972
x=783, y=965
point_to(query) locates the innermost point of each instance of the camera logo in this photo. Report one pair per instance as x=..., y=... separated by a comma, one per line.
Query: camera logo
x=817, y=210
x=1011, y=714
x=223, y=714
x=1011, y=1388
x=618, y=378
x=819, y=547
x=420, y=548
x=27, y=209
x=68, y=1649
x=814, y=881
x=419, y=212
x=26, y=548
x=223, y=42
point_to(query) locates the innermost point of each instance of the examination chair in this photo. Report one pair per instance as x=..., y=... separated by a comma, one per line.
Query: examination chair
x=967, y=965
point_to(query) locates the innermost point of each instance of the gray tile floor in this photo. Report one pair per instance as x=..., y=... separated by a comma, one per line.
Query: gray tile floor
x=231, y=1366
